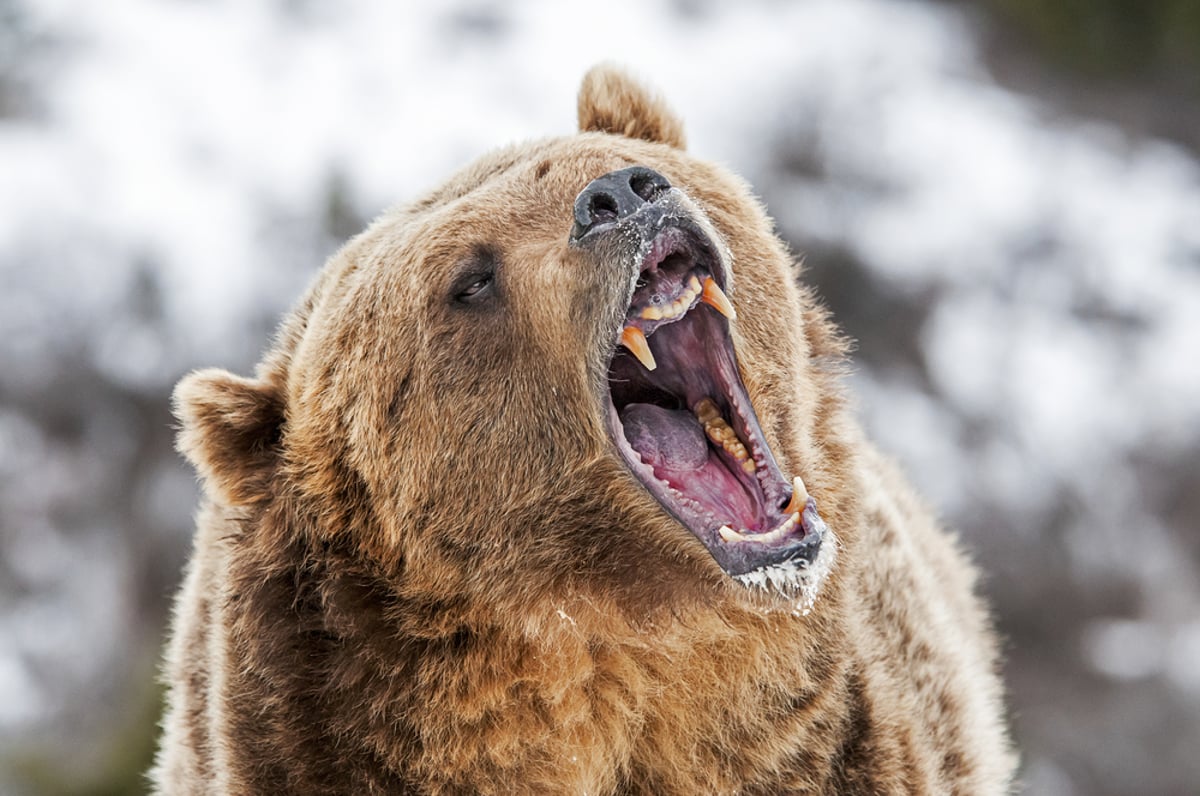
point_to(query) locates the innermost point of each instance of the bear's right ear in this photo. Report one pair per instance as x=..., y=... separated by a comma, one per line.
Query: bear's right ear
x=230, y=432
x=610, y=101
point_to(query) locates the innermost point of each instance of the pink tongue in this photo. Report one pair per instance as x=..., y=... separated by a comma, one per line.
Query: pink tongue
x=673, y=443
x=666, y=439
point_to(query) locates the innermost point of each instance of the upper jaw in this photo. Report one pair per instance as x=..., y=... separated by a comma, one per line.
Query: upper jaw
x=677, y=411
x=671, y=223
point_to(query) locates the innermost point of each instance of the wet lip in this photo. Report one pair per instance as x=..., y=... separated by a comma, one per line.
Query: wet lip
x=681, y=420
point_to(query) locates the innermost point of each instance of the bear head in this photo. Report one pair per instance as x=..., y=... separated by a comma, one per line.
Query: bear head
x=583, y=367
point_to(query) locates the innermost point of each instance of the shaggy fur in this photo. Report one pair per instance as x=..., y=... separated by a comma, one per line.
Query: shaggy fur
x=421, y=567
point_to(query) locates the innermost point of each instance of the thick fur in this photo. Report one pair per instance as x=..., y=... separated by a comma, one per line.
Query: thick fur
x=422, y=568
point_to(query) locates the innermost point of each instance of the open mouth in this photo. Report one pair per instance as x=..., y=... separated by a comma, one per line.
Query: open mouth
x=683, y=423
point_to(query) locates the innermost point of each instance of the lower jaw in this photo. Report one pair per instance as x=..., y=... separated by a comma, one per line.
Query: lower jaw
x=769, y=537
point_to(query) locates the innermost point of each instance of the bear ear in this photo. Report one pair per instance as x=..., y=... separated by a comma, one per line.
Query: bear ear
x=610, y=101
x=230, y=432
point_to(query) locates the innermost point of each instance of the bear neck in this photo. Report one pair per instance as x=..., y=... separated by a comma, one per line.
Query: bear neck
x=575, y=696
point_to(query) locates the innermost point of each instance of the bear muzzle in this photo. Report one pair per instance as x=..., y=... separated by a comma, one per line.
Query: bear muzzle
x=677, y=409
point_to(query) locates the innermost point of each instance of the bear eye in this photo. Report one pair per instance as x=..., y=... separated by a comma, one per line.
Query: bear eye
x=477, y=280
x=475, y=288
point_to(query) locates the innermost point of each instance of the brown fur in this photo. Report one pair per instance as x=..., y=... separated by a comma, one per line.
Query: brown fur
x=421, y=566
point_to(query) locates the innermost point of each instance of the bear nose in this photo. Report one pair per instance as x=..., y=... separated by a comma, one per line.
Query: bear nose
x=615, y=196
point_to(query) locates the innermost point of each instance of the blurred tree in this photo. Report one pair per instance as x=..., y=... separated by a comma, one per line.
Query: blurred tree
x=121, y=768
x=1113, y=38
x=17, y=44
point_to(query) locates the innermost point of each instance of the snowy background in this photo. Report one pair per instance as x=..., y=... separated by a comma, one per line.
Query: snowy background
x=1017, y=255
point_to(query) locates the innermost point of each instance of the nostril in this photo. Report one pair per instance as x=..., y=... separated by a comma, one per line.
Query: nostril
x=602, y=208
x=648, y=186
x=613, y=197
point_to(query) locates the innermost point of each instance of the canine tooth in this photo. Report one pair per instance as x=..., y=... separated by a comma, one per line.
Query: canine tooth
x=635, y=340
x=652, y=314
x=799, y=496
x=716, y=298
x=730, y=535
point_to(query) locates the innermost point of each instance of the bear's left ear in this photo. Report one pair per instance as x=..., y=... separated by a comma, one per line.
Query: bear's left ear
x=610, y=101
x=231, y=432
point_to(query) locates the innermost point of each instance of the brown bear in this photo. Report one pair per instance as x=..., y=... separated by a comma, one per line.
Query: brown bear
x=548, y=486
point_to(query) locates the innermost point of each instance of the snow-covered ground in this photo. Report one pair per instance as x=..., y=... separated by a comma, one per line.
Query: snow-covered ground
x=176, y=171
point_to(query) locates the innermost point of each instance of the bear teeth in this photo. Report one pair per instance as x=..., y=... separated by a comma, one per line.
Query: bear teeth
x=634, y=339
x=782, y=530
x=799, y=496
x=716, y=298
x=677, y=307
x=774, y=535
x=721, y=433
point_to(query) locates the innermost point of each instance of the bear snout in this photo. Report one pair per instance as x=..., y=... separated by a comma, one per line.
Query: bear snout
x=613, y=197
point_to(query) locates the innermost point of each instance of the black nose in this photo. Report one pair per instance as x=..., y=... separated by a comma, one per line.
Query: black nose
x=615, y=196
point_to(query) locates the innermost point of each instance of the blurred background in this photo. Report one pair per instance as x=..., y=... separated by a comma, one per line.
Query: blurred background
x=1000, y=200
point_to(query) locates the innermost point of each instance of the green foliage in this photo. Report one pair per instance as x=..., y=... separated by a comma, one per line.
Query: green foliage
x=122, y=769
x=1113, y=37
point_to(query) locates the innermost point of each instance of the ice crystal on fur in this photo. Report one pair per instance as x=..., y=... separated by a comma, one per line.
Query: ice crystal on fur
x=797, y=580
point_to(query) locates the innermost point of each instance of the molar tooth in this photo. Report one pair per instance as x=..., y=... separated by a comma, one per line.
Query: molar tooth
x=706, y=410
x=748, y=467
x=716, y=298
x=635, y=340
x=799, y=496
